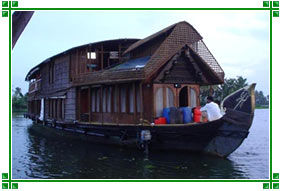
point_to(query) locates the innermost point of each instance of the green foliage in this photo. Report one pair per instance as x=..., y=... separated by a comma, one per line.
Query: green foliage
x=219, y=92
x=261, y=100
x=19, y=101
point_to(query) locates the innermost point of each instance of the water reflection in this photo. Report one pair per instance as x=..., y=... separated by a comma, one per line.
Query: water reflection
x=40, y=154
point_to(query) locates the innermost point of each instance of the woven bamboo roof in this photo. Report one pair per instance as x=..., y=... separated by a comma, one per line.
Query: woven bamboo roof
x=180, y=35
x=176, y=36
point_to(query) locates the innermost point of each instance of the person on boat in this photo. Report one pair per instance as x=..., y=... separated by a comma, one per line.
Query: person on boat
x=211, y=110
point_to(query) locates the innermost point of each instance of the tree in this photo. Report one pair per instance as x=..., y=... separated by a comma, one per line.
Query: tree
x=261, y=100
x=19, y=101
x=221, y=91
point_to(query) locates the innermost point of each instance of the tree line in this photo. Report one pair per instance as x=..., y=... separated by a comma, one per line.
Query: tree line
x=219, y=92
x=19, y=101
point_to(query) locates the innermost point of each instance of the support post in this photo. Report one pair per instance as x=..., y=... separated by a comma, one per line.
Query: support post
x=141, y=103
x=118, y=104
x=90, y=103
x=78, y=104
x=134, y=102
x=101, y=103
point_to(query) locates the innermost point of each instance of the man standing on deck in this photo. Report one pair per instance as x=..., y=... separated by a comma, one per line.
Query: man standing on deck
x=211, y=110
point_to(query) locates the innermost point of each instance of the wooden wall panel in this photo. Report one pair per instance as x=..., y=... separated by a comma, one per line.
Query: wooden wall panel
x=70, y=105
x=148, y=102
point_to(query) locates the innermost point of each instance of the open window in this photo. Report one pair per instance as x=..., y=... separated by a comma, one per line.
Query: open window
x=91, y=55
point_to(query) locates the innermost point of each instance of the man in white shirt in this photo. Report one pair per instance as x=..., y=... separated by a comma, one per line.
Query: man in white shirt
x=212, y=109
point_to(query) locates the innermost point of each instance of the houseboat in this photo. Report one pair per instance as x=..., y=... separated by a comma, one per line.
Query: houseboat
x=138, y=93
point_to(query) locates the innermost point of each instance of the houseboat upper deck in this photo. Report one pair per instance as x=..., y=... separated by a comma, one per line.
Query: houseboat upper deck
x=122, y=81
x=119, y=87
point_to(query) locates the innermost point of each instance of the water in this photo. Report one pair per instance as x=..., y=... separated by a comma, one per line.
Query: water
x=36, y=155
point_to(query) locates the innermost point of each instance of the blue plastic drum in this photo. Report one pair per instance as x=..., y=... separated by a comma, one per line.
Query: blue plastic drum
x=186, y=114
x=166, y=114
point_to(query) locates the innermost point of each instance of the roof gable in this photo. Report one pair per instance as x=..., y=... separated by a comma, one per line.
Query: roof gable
x=183, y=33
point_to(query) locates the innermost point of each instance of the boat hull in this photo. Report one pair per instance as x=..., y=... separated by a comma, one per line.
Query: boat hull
x=220, y=137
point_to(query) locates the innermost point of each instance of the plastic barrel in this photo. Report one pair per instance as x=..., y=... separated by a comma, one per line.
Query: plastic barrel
x=166, y=114
x=196, y=115
x=175, y=115
x=186, y=114
x=172, y=115
x=162, y=120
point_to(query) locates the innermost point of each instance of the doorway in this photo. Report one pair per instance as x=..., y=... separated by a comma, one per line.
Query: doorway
x=84, y=104
x=183, y=97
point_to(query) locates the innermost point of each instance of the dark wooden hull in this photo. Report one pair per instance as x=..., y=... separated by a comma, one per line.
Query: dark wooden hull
x=220, y=137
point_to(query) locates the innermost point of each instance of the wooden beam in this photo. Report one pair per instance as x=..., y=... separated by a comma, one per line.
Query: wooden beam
x=101, y=103
x=164, y=97
x=102, y=57
x=105, y=97
x=78, y=104
x=70, y=68
x=117, y=104
x=90, y=103
x=177, y=97
x=195, y=66
x=87, y=61
x=119, y=52
x=160, y=77
x=188, y=95
x=77, y=63
x=135, y=102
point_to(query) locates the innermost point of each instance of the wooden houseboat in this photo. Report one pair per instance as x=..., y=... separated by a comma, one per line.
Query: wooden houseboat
x=114, y=90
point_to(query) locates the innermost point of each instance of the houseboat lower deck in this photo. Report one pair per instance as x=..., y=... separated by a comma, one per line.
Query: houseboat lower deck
x=220, y=137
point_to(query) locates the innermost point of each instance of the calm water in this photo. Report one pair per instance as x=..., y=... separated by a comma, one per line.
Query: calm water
x=36, y=155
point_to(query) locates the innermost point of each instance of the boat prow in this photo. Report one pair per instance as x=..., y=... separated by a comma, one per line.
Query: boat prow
x=241, y=100
x=239, y=110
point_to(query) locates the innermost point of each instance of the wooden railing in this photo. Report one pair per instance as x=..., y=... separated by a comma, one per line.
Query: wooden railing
x=34, y=86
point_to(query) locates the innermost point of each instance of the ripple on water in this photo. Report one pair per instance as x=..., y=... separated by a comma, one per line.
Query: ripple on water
x=38, y=155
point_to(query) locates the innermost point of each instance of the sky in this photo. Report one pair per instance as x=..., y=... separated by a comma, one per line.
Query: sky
x=239, y=40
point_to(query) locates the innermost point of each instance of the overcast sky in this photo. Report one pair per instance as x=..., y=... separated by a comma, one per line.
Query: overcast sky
x=239, y=40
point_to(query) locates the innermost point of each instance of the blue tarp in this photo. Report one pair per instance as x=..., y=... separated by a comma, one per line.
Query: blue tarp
x=134, y=64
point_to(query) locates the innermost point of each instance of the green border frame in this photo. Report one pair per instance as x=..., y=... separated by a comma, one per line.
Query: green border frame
x=8, y=6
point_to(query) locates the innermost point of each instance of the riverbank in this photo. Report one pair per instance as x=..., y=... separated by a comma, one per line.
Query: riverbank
x=21, y=110
x=262, y=107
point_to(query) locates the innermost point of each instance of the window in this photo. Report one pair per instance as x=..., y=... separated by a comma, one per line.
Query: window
x=131, y=101
x=113, y=55
x=56, y=108
x=91, y=55
x=138, y=99
x=94, y=91
x=115, y=100
x=159, y=102
x=169, y=98
x=104, y=99
x=123, y=99
x=109, y=92
x=62, y=108
x=98, y=100
x=192, y=98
